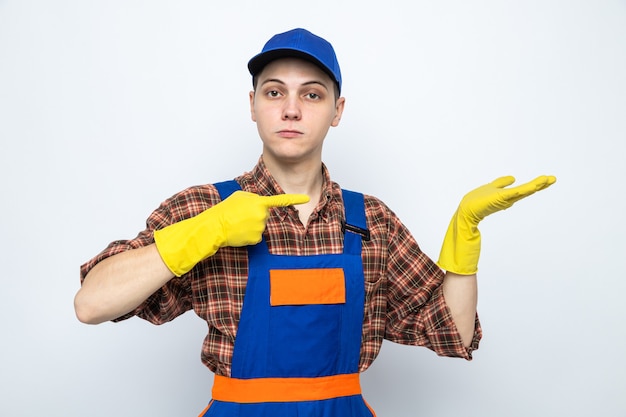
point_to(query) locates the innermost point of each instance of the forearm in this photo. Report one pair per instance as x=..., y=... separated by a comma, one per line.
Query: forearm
x=119, y=284
x=461, y=295
x=460, y=250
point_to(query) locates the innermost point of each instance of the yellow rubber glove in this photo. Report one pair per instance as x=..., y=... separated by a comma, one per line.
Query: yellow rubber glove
x=461, y=245
x=239, y=220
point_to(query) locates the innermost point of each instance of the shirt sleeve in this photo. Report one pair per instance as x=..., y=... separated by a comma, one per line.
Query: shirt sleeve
x=175, y=297
x=417, y=313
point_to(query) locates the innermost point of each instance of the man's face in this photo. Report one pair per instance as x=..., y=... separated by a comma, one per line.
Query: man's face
x=293, y=106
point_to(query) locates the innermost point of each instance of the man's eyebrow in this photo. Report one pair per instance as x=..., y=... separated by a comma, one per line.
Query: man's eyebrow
x=279, y=81
x=316, y=82
x=273, y=80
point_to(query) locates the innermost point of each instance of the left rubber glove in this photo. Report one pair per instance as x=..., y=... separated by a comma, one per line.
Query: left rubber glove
x=461, y=245
x=236, y=221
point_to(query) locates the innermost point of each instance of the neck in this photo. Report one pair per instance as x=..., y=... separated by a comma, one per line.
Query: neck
x=298, y=178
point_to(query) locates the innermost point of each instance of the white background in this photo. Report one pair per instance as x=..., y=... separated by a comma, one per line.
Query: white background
x=109, y=107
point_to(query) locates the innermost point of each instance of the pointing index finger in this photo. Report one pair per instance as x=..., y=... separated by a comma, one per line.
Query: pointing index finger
x=285, y=200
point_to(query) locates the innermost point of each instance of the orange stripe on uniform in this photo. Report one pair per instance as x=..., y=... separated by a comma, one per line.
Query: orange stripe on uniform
x=307, y=286
x=260, y=390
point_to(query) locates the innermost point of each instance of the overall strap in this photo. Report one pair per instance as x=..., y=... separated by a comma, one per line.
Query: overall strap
x=355, y=226
x=226, y=188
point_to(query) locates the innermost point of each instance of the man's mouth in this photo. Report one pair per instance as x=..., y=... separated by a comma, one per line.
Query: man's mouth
x=289, y=133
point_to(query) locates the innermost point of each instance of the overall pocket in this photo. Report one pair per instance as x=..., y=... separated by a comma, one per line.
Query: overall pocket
x=305, y=321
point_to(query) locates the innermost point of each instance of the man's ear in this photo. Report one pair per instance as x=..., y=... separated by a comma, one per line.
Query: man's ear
x=252, y=115
x=339, y=105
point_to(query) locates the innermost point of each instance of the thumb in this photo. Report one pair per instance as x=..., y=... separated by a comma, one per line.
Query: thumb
x=284, y=200
x=503, y=181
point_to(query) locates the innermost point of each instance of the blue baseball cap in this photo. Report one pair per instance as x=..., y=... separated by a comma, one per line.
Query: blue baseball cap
x=298, y=43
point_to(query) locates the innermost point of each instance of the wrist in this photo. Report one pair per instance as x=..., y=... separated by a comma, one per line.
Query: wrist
x=182, y=245
x=460, y=249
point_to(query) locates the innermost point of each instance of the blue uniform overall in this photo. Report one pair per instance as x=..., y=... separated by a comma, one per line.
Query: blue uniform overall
x=298, y=342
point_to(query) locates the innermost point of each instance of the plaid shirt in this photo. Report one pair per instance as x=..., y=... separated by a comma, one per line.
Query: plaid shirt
x=404, y=299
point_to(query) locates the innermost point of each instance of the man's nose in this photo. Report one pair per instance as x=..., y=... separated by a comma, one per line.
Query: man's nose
x=292, y=111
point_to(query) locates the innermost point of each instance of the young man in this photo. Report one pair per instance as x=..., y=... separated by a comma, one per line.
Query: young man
x=298, y=280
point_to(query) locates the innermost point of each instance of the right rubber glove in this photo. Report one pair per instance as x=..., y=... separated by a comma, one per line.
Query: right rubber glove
x=461, y=245
x=239, y=220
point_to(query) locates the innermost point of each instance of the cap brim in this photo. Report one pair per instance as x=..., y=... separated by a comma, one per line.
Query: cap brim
x=258, y=62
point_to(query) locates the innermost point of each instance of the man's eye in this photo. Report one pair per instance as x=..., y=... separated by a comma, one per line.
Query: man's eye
x=273, y=93
x=313, y=96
